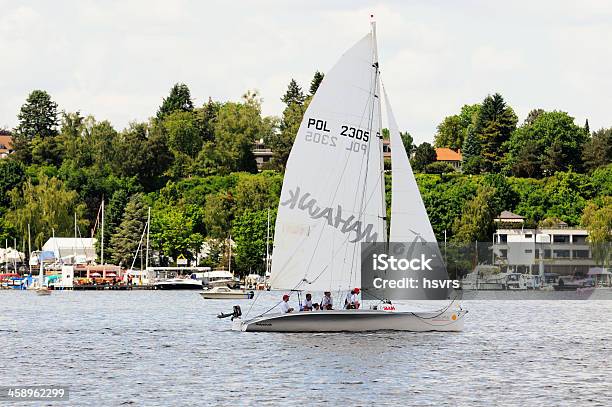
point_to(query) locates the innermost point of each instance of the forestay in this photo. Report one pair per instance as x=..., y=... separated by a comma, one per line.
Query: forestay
x=332, y=195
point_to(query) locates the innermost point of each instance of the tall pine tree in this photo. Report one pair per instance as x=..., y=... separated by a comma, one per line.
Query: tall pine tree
x=316, y=81
x=178, y=99
x=495, y=123
x=294, y=94
x=124, y=242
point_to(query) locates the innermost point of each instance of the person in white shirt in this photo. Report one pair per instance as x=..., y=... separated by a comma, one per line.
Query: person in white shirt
x=285, y=308
x=355, y=299
x=352, y=299
x=327, y=303
x=308, y=303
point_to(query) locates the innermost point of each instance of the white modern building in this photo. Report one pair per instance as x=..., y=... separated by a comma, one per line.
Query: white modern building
x=564, y=251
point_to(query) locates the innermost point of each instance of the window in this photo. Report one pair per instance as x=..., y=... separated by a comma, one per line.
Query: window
x=581, y=254
x=528, y=236
x=580, y=238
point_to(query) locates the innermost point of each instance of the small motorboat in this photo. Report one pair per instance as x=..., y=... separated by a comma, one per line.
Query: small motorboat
x=42, y=290
x=220, y=293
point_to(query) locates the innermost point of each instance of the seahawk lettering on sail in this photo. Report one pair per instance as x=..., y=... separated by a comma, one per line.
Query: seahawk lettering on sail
x=348, y=225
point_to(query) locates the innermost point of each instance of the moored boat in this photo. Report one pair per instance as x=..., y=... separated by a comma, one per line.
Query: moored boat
x=219, y=293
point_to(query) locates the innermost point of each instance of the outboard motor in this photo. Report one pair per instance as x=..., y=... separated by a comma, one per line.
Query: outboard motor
x=236, y=313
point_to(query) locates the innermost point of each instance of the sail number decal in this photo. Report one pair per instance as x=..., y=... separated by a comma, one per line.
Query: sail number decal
x=358, y=137
x=355, y=133
x=321, y=136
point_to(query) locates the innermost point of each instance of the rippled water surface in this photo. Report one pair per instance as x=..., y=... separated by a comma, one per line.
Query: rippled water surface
x=153, y=348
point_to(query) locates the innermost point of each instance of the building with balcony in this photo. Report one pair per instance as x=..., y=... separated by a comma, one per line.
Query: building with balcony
x=564, y=251
x=262, y=154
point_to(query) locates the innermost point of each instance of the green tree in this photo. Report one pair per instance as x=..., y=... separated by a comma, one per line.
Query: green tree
x=183, y=133
x=47, y=207
x=450, y=133
x=476, y=219
x=438, y=168
x=172, y=233
x=453, y=130
x=527, y=161
x=256, y=192
x=12, y=175
x=126, y=238
x=293, y=94
x=207, y=117
x=249, y=233
x=597, y=219
x=142, y=151
x=471, y=161
x=597, y=150
x=218, y=214
x=553, y=137
x=37, y=119
x=533, y=115
x=237, y=127
x=408, y=143
x=179, y=99
x=281, y=142
x=38, y=116
x=316, y=81
x=424, y=155
x=495, y=123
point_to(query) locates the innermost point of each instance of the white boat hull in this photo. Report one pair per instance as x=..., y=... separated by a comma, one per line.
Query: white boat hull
x=354, y=321
x=225, y=296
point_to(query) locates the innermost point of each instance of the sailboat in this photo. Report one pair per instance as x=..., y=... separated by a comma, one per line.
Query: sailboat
x=333, y=199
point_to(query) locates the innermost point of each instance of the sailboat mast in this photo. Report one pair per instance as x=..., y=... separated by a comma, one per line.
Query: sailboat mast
x=75, y=237
x=230, y=254
x=268, y=246
x=102, y=237
x=148, y=232
x=29, y=250
x=381, y=163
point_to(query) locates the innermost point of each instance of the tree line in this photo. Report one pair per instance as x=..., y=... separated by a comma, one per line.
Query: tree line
x=194, y=166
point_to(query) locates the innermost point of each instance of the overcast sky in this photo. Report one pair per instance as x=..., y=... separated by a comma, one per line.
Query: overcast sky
x=118, y=59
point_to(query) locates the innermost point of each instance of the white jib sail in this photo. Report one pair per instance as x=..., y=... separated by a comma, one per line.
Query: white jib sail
x=332, y=197
x=409, y=220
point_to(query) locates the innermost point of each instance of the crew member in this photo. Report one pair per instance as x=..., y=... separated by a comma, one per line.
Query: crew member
x=327, y=303
x=285, y=308
x=308, y=303
x=355, y=299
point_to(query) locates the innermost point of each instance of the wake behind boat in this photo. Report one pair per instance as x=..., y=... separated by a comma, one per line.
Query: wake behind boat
x=333, y=200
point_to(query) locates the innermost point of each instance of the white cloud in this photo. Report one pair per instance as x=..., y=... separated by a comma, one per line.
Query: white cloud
x=118, y=59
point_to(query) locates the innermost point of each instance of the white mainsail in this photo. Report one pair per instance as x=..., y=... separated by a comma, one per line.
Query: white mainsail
x=409, y=220
x=332, y=196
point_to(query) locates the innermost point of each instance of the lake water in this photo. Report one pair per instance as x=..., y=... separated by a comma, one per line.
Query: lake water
x=156, y=348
